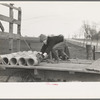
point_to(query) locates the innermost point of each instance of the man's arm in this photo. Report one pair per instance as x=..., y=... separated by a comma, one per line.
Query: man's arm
x=1, y=26
x=43, y=49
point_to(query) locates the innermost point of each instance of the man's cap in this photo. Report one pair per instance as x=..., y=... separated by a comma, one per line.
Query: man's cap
x=42, y=37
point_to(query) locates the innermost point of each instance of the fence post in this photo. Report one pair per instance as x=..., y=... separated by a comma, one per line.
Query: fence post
x=11, y=29
x=89, y=52
x=93, y=52
x=19, y=30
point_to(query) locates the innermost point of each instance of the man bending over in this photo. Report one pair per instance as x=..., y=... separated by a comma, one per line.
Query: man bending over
x=55, y=44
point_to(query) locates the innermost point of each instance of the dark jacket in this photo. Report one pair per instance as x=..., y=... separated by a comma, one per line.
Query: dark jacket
x=51, y=41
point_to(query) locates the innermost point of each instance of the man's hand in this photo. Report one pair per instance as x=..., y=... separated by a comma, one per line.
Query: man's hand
x=45, y=55
x=40, y=56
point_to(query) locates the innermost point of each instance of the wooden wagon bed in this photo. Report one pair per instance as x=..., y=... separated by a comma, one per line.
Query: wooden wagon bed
x=75, y=65
x=75, y=69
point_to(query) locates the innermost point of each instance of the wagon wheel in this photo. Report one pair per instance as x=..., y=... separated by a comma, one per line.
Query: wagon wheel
x=21, y=76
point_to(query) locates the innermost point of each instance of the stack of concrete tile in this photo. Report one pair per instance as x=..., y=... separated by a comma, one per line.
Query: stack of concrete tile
x=25, y=58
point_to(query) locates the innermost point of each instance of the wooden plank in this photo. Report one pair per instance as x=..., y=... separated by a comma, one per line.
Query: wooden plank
x=11, y=29
x=6, y=35
x=7, y=5
x=19, y=25
x=8, y=19
x=58, y=67
x=19, y=30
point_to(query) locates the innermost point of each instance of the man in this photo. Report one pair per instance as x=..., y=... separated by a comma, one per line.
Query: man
x=54, y=44
x=1, y=26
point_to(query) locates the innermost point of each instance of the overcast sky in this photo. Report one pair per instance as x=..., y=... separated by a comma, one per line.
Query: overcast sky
x=43, y=17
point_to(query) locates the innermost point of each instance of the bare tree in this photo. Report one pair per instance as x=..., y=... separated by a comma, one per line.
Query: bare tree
x=89, y=31
x=86, y=28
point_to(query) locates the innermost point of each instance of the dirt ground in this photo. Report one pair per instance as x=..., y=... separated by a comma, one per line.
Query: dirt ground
x=75, y=52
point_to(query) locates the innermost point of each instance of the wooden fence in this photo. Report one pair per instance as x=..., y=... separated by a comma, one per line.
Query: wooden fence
x=12, y=21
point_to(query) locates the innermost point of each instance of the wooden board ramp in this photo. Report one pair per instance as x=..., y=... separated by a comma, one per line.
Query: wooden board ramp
x=95, y=66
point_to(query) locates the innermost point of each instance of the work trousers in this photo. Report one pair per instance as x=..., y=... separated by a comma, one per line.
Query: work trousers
x=61, y=49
